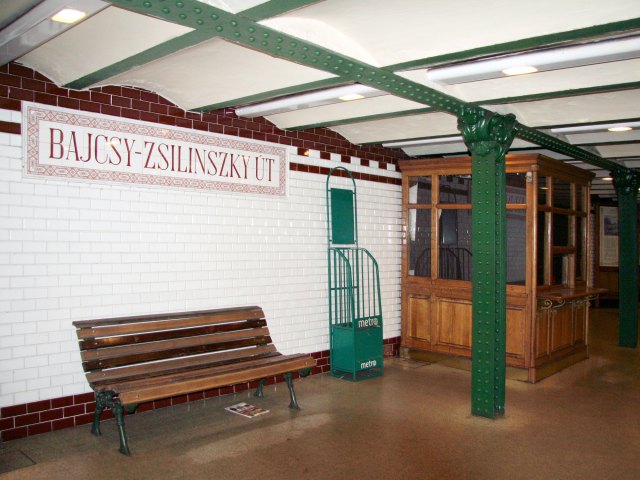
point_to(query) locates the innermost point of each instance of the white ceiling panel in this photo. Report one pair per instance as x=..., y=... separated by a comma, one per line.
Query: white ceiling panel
x=107, y=37
x=194, y=78
x=435, y=149
x=603, y=137
x=542, y=82
x=233, y=6
x=400, y=128
x=343, y=110
x=612, y=151
x=582, y=109
x=381, y=32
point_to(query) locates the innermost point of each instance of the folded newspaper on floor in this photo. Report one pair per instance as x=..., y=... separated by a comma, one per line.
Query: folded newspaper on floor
x=246, y=410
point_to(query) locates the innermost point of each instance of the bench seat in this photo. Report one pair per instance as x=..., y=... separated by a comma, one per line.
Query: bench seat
x=132, y=360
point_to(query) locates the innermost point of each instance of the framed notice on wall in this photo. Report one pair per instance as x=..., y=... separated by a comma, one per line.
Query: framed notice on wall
x=608, y=236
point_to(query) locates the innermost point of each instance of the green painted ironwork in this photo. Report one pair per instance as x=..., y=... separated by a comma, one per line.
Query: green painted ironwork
x=626, y=186
x=488, y=137
x=248, y=33
x=342, y=216
x=293, y=404
x=355, y=305
x=109, y=399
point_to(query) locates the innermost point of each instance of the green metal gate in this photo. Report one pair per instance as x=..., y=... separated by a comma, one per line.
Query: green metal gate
x=355, y=307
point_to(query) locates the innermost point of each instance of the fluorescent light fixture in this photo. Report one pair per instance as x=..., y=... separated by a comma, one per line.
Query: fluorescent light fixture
x=36, y=26
x=523, y=70
x=423, y=141
x=607, y=179
x=69, y=15
x=551, y=59
x=308, y=100
x=350, y=97
x=596, y=127
x=620, y=129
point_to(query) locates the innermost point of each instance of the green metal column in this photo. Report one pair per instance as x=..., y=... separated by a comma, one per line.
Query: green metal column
x=488, y=137
x=627, y=183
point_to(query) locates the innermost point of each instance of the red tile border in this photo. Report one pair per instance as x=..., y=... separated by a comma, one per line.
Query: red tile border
x=18, y=421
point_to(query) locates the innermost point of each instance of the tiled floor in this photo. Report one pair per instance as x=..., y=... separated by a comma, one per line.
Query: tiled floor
x=412, y=423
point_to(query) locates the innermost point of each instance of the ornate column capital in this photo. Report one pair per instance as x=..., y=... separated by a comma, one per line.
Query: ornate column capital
x=484, y=131
x=625, y=181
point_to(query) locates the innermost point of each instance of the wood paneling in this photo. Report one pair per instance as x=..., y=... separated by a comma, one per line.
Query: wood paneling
x=454, y=322
x=420, y=315
x=561, y=328
x=515, y=332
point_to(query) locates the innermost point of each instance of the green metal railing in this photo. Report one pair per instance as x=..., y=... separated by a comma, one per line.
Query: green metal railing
x=354, y=288
x=355, y=305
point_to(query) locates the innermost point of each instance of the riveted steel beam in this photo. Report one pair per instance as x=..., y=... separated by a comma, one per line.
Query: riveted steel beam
x=245, y=32
x=626, y=186
x=488, y=137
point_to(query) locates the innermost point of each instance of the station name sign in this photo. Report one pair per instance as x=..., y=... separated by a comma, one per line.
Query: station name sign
x=77, y=145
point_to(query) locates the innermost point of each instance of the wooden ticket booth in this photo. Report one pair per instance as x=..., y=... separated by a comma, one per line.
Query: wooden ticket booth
x=548, y=262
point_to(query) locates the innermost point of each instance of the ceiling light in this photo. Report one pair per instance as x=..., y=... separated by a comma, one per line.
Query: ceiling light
x=523, y=70
x=596, y=127
x=423, y=141
x=68, y=15
x=620, y=129
x=350, y=97
x=607, y=179
x=308, y=100
x=550, y=59
x=36, y=27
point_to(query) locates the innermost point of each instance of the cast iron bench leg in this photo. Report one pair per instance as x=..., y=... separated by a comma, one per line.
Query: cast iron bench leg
x=109, y=399
x=118, y=411
x=294, y=403
x=259, y=392
x=101, y=404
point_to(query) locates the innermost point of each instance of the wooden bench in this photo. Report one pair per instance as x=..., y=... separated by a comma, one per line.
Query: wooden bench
x=138, y=359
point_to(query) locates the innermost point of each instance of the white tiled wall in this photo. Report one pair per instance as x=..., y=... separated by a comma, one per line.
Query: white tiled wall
x=72, y=251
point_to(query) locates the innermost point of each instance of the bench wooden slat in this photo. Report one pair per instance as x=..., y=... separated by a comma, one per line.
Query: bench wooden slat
x=196, y=384
x=99, y=378
x=177, y=352
x=151, y=323
x=91, y=343
x=171, y=344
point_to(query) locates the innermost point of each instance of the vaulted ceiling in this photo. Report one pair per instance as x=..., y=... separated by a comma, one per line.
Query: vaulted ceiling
x=290, y=60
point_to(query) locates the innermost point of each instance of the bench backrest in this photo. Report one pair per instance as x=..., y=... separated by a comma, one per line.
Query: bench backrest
x=129, y=348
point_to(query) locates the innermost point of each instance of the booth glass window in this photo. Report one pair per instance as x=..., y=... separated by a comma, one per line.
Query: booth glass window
x=562, y=233
x=561, y=194
x=454, y=246
x=455, y=189
x=420, y=242
x=516, y=246
x=543, y=190
x=420, y=190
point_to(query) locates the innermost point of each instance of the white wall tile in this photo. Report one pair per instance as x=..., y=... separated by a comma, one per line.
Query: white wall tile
x=72, y=251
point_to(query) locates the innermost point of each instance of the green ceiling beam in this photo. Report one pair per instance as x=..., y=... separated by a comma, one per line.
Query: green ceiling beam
x=271, y=94
x=274, y=8
x=252, y=35
x=552, y=143
x=142, y=58
x=530, y=43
